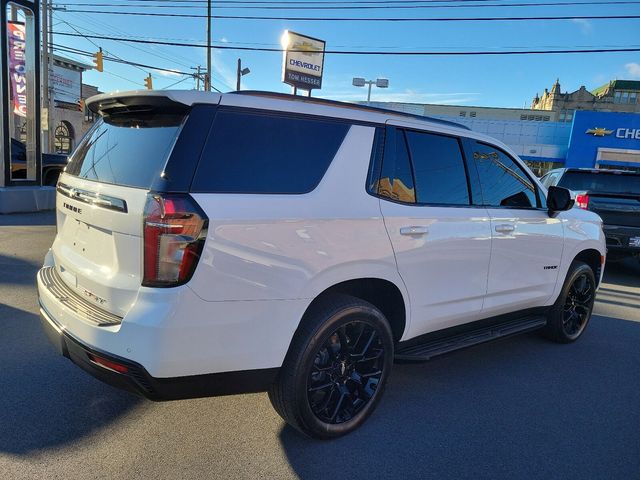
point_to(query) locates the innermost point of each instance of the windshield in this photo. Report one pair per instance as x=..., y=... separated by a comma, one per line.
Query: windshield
x=601, y=182
x=127, y=149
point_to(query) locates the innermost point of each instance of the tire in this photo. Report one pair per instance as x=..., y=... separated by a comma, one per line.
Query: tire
x=571, y=313
x=336, y=368
x=51, y=178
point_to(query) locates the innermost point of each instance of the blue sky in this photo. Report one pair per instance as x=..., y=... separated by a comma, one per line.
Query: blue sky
x=503, y=81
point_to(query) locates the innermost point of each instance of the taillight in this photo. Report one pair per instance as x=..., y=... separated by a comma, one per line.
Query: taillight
x=582, y=201
x=175, y=229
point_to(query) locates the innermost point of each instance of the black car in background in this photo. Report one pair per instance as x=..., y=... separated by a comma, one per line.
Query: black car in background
x=612, y=194
x=52, y=163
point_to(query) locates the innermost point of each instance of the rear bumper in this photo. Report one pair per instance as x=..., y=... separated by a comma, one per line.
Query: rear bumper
x=619, y=239
x=137, y=380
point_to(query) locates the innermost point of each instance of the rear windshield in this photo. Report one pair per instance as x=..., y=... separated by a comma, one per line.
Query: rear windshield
x=601, y=182
x=128, y=150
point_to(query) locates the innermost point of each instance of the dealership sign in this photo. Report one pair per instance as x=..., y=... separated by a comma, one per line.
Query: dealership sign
x=303, y=60
x=625, y=133
x=17, y=67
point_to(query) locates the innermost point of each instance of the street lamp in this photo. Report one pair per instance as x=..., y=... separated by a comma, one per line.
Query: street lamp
x=240, y=73
x=378, y=82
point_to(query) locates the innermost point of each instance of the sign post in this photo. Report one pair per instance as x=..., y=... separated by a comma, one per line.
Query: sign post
x=303, y=61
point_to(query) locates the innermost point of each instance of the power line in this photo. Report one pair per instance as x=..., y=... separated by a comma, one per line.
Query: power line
x=170, y=58
x=359, y=7
x=360, y=19
x=373, y=52
x=322, y=2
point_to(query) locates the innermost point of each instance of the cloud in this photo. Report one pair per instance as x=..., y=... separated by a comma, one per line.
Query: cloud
x=406, y=96
x=633, y=70
x=169, y=73
x=585, y=25
x=224, y=40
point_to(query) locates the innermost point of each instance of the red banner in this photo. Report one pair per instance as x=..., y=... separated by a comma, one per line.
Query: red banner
x=17, y=67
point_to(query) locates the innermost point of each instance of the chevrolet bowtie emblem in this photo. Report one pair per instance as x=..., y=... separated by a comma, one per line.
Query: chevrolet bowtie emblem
x=599, y=132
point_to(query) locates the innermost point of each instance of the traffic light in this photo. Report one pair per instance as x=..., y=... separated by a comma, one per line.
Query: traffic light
x=148, y=82
x=98, y=60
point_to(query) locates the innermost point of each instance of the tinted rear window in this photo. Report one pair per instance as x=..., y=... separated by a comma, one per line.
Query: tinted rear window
x=438, y=168
x=259, y=153
x=129, y=150
x=601, y=182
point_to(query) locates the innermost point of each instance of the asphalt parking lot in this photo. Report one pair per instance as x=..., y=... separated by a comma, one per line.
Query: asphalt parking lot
x=517, y=408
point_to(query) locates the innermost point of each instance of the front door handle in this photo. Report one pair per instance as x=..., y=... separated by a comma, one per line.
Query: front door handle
x=414, y=230
x=505, y=228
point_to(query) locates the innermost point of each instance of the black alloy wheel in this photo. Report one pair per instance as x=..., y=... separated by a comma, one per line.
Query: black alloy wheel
x=569, y=316
x=578, y=305
x=345, y=372
x=337, y=366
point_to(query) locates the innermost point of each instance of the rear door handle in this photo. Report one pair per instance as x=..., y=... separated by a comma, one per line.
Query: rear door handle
x=414, y=230
x=505, y=228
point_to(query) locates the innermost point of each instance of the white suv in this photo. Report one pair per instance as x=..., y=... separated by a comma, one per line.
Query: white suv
x=214, y=244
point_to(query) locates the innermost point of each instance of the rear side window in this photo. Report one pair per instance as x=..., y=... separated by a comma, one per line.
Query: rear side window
x=601, y=182
x=438, y=169
x=129, y=149
x=396, y=178
x=259, y=153
x=504, y=183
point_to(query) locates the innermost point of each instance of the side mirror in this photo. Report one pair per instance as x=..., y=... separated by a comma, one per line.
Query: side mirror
x=559, y=200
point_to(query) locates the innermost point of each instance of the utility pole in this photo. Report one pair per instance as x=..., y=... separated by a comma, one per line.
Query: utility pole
x=198, y=79
x=44, y=68
x=207, y=81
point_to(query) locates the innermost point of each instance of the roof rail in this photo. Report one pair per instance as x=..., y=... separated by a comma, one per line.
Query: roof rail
x=354, y=106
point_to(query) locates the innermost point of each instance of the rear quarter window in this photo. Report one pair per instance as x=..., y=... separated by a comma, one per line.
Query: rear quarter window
x=270, y=154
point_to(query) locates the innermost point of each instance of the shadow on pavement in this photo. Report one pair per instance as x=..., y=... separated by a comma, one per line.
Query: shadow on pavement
x=28, y=219
x=45, y=400
x=15, y=270
x=518, y=408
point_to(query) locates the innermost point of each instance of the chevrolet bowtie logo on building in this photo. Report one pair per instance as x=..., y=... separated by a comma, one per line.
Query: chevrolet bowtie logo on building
x=599, y=132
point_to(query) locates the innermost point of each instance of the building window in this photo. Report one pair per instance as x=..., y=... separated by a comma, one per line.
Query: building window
x=562, y=115
x=633, y=97
x=531, y=117
x=546, y=118
x=463, y=114
x=63, y=135
x=523, y=117
x=616, y=97
x=625, y=97
x=472, y=114
x=538, y=118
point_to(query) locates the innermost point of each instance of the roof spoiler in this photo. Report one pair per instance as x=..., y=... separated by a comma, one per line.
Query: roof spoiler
x=111, y=104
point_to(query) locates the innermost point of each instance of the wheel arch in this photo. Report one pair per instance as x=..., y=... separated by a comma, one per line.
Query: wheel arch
x=382, y=293
x=591, y=257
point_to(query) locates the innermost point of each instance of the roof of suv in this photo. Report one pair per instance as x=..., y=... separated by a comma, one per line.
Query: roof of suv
x=128, y=101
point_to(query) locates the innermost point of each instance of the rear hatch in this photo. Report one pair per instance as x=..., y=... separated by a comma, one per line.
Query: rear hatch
x=101, y=200
x=613, y=195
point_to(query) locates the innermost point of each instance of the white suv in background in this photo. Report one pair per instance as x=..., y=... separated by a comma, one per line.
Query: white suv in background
x=213, y=244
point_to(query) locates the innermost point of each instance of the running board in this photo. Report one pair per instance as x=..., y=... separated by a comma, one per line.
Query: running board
x=431, y=348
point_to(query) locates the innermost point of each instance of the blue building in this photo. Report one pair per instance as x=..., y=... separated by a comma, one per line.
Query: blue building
x=604, y=140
